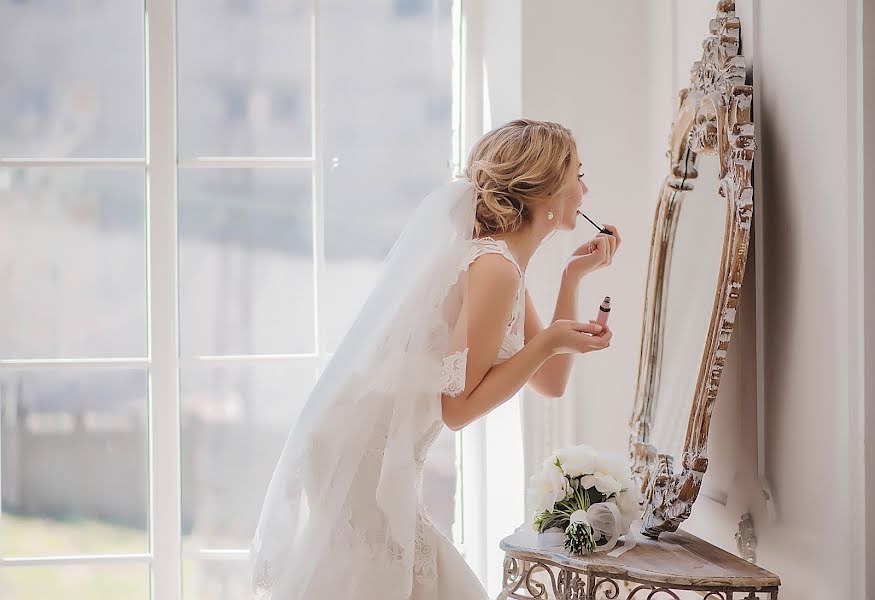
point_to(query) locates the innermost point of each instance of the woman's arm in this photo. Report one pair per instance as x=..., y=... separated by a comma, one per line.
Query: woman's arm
x=493, y=285
x=492, y=291
x=501, y=382
x=552, y=376
x=490, y=388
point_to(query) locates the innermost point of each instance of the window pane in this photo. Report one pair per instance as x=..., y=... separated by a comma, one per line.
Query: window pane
x=73, y=263
x=76, y=582
x=74, y=463
x=387, y=124
x=245, y=261
x=235, y=420
x=244, y=78
x=215, y=578
x=71, y=79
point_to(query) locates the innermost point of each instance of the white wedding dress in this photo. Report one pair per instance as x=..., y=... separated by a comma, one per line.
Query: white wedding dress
x=361, y=559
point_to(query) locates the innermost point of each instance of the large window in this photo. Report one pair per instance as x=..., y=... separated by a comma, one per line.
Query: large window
x=195, y=198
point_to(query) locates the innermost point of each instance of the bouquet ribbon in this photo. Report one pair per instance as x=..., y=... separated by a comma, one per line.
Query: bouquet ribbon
x=605, y=520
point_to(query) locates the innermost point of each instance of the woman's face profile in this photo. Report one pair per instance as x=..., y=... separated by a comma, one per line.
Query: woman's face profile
x=570, y=195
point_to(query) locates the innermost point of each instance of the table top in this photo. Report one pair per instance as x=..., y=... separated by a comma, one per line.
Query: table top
x=678, y=558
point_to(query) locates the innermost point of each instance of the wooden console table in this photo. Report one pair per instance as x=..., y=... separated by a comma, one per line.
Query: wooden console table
x=653, y=570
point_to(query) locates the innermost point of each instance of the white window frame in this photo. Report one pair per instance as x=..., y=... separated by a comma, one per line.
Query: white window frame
x=162, y=165
x=165, y=509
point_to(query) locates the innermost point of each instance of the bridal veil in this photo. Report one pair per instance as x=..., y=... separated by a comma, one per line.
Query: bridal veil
x=385, y=379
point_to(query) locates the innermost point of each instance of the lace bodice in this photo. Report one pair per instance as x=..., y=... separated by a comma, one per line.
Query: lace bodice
x=453, y=371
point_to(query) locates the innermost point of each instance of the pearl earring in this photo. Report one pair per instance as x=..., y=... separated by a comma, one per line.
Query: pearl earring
x=549, y=215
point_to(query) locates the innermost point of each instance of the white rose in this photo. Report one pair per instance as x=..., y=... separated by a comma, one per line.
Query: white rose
x=628, y=502
x=558, y=483
x=606, y=484
x=538, y=494
x=614, y=465
x=547, y=487
x=539, y=499
x=578, y=460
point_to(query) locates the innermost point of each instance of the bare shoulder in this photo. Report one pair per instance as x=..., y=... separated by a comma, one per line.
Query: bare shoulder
x=494, y=272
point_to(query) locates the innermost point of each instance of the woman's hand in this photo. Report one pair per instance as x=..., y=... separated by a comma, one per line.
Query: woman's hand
x=564, y=336
x=593, y=255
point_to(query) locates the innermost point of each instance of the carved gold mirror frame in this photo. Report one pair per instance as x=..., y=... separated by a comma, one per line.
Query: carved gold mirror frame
x=713, y=117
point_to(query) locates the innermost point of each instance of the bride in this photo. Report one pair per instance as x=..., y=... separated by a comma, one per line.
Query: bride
x=448, y=333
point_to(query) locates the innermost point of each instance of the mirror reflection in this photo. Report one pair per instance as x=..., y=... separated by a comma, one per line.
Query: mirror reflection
x=691, y=278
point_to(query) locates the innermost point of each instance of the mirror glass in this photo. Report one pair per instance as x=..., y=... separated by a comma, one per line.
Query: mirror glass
x=691, y=283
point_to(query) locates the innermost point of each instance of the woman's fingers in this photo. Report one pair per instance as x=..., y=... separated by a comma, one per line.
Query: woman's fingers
x=591, y=328
x=584, y=249
x=612, y=241
x=594, y=254
x=575, y=336
x=601, y=248
x=599, y=341
x=599, y=338
x=616, y=235
x=607, y=245
x=595, y=342
x=605, y=331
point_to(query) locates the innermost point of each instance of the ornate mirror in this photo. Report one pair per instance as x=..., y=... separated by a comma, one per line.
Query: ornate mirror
x=698, y=252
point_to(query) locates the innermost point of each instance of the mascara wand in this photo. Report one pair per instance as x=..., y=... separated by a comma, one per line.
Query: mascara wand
x=599, y=227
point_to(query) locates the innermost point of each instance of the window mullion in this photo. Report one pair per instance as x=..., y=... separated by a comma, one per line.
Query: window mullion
x=237, y=162
x=163, y=328
x=318, y=212
x=93, y=163
x=84, y=559
x=56, y=364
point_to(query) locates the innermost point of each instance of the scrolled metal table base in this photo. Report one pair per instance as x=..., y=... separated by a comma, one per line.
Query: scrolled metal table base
x=526, y=579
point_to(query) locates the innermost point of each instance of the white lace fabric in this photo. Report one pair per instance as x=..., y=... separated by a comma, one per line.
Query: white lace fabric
x=454, y=366
x=363, y=530
x=343, y=516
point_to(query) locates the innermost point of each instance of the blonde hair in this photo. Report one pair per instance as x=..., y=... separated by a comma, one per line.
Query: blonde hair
x=514, y=167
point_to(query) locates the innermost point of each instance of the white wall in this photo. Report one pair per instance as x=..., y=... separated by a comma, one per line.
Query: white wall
x=799, y=52
x=866, y=267
x=582, y=67
x=611, y=71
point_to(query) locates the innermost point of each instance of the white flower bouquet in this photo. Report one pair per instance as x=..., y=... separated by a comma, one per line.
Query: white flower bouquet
x=585, y=500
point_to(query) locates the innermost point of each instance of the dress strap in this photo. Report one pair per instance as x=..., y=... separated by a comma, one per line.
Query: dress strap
x=487, y=245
